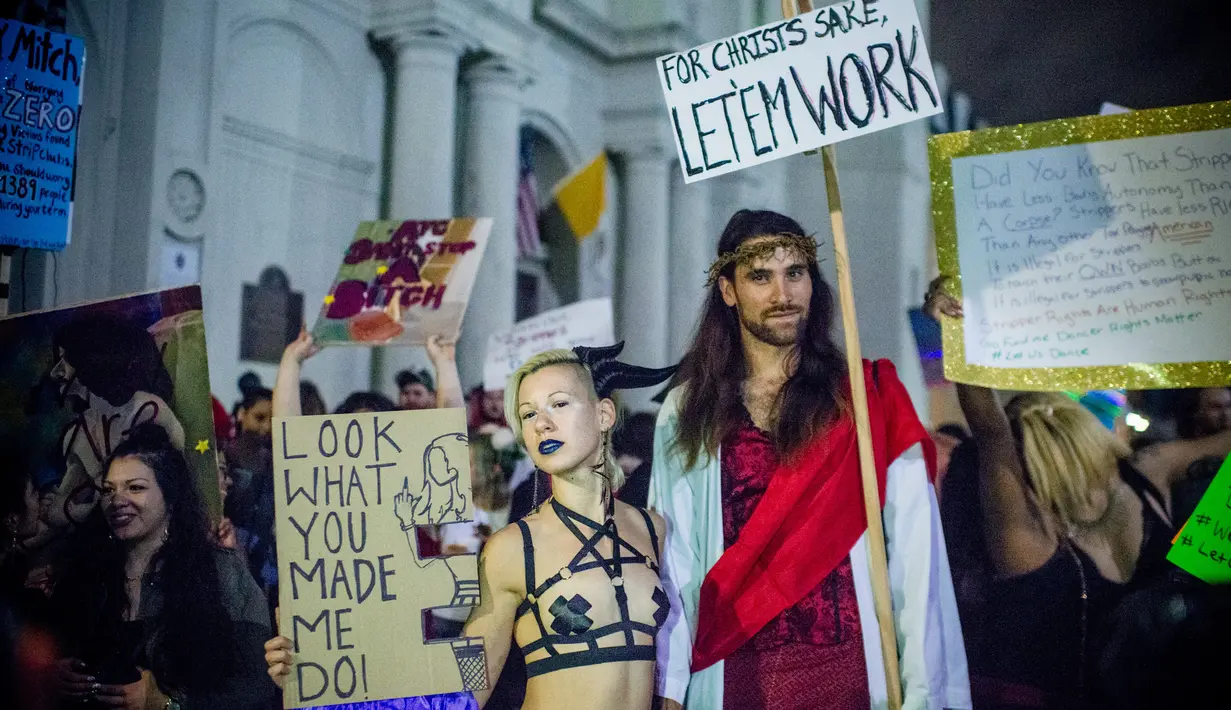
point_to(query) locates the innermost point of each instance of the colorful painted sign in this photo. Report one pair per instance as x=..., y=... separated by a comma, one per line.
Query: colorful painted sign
x=40, y=75
x=1092, y=253
x=349, y=492
x=75, y=381
x=403, y=281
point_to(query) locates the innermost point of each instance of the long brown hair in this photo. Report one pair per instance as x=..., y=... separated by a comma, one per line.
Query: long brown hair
x=713, y=370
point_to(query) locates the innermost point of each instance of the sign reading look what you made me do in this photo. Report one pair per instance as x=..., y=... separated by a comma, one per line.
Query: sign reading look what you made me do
x=786, y=87
x=350, y=491
x=1092, y=252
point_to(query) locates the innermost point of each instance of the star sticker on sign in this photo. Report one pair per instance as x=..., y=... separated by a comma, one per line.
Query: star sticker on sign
x=202, y=446
x=329, y=300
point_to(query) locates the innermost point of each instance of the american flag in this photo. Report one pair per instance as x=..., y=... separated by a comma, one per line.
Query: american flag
x=528, y=242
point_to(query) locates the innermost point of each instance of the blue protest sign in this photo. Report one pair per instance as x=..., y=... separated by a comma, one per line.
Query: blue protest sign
x=40, y=107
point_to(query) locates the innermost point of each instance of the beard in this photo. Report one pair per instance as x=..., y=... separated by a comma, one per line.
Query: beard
x=776, y=334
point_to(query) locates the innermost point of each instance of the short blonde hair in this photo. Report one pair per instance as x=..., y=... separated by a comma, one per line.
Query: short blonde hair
x=1069, y=455
x=512, y=394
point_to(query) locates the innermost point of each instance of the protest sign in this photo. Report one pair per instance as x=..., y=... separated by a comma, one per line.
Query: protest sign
x=824, y=76
x=1203, y=547
x=75, y=381
x=583, y=323
x=402, y=282
x=1093, y=252
x=39, y=113
x=349, y=492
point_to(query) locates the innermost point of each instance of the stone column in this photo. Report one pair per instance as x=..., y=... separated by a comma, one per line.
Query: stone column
x=421, y=178
x=491, y=173
x=692, y=250
x=644, y=304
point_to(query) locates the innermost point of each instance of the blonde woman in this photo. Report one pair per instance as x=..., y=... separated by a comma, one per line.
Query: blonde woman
x=575, y=582
x=1068, y=520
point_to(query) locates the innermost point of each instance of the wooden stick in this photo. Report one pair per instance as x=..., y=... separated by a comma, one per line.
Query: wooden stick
x=878, y=567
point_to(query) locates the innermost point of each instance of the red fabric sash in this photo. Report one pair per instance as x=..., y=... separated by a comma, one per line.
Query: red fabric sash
x=810, y=517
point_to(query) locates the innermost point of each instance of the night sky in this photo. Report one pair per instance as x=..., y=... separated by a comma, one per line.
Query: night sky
x=1044, y=59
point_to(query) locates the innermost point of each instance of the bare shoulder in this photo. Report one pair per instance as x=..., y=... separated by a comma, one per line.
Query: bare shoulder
x=636, y=515
x=501, y=558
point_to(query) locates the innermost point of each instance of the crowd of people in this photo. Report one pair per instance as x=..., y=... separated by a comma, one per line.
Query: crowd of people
x=719, y=549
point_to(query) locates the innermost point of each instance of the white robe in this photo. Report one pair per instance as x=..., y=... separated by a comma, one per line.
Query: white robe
x=931, y=654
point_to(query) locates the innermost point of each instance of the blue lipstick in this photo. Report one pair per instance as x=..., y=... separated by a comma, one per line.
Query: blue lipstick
x=550, y=446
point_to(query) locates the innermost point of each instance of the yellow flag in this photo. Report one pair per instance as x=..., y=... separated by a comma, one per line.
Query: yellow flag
x=582, y=197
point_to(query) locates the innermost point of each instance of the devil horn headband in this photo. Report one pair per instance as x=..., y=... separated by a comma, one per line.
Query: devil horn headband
x=610, y=374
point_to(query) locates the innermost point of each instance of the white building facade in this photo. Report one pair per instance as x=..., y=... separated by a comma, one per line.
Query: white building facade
x=235, y=135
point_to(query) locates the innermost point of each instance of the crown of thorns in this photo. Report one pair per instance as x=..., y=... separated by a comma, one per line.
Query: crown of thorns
x=755, y=249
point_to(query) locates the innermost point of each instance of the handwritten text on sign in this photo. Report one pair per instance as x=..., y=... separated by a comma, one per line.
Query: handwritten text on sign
x=403, y=281
x=588, y=323
x=1203, y=546
x=845, y=70
x=1104, y=253
x=40, y=106
x=350, y=491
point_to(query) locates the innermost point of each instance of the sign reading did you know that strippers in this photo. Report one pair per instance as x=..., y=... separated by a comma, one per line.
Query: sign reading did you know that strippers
x=786, y=87
x=40, y=77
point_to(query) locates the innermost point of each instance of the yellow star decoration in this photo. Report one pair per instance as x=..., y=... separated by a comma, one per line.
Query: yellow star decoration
x=329, y=300
x=380, y=270
x=202, y=446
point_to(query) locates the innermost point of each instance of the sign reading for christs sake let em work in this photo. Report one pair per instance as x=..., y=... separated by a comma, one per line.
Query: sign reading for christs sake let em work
x=1091, y=252
x=350, y=491
x=786, y=87
x=403, y=281
x=40, y=75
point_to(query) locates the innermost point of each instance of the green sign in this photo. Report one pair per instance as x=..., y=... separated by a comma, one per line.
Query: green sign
x=1203, y=547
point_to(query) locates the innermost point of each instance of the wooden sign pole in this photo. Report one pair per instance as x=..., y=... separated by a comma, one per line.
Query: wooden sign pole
x=877, y=559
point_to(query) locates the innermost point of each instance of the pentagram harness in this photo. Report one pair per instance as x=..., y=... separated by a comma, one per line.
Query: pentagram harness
x=571, y=625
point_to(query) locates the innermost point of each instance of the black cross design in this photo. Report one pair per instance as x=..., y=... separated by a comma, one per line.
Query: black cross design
x=664, y=607
x=570, y=615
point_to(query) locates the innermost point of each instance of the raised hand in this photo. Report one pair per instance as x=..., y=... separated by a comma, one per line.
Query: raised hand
x=404, y=505
x=301, y=348
x=441, y=351
x=278, y=659
x=938, y=301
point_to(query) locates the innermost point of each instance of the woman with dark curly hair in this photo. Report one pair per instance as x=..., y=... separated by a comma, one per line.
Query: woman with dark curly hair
x=112, y=377
x=154, y=614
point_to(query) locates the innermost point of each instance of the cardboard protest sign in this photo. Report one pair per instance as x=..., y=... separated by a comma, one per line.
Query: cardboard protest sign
x=1203, y=547
x=583, y=323
x=1093, y=252
x=39, y=112
x=402, y=282
x=349, y=492
x=783, y=88
x=74, y=381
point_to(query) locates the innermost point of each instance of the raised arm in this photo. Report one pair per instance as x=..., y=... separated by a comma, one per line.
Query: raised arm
x=286, y=387
x=500, y=592
x=1018, y=541
x=448, y=384
x=1166, y=463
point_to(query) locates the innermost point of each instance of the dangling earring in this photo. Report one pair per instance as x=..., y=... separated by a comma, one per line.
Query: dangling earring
x=166, y=532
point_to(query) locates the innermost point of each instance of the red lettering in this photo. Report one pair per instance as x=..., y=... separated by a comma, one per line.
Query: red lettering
x=434, y=295
x=404, y=269
x=440, y=226
x=381, y=250
x=348, y=299
x=359, y=252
